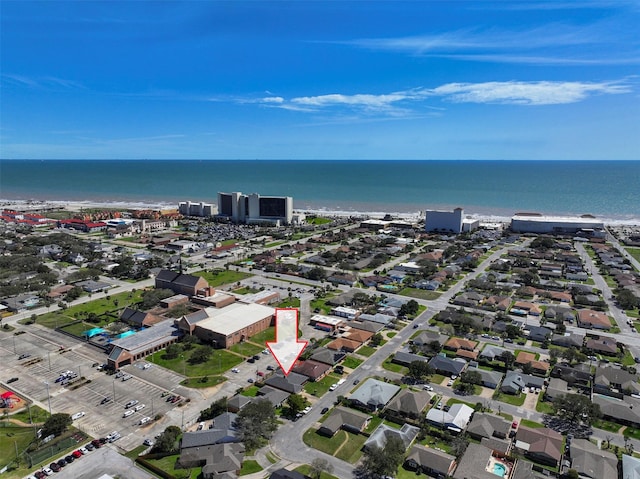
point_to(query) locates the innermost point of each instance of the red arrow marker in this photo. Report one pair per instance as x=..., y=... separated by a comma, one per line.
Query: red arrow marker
x=286, y=348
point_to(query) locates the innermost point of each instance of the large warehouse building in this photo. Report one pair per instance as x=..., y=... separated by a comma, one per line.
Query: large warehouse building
x=232, y=324
x=254, y=208
x=537, y=223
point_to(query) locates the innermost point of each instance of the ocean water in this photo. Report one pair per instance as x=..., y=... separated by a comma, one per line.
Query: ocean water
x=608, y=189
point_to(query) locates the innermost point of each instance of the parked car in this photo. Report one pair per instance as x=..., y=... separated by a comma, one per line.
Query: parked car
x=12, y=380
x=256, y=357
x=47, y=471
x=148, y=442
x=77, y=415
x=83, y=450
x=54, y=467
x=105, y=400
x=128, y=413
x=131, y=403
x=201, y=426
x=270, y=368
x=260, y=373
x=70, y=458
x=428, y=388
x=250, y=380
x=139, y=407
x=62, y=462
x=89, y=447
x=24, y=356
x=76, y=453
x=325, y=410
x=235, y=370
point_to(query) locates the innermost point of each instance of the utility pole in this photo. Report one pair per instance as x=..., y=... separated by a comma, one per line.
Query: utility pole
x=48, y=397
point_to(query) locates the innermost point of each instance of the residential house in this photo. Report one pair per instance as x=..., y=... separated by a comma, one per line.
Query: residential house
x=612, y=380
x=275, y=396
x=491, y=352
x=602, y=345
x=314, y=370
x=215, y=460
x=292, y=383
x=358, y=335
x=343, y=344
x=327, y=356
x=425, y=338
x=286, y=474
x=542, y=445
x=568, y=340
x=523, y=308
x=557, y=387
x=540, y=368
x=381, y=435
x=475, y=463
x=490, y=379
x=454, y=344
x=223, y=432
x=380, y=318
x=537, y=333
x=430, y=461
x=512, y=383
x=373, y=394
x=590, y=319
x=576, y=376
x=344, y=418
x=405, y=358
x=455, y=419
x=409, y=403
x=488, y=425
x=625, y=411
x=237, y=402
x=444, y=365
x=591, y=461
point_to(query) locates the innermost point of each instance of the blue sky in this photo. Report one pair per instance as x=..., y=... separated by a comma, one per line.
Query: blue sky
x=320, y=80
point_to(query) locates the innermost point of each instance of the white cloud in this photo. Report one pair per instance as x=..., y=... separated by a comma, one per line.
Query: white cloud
x=527, y=93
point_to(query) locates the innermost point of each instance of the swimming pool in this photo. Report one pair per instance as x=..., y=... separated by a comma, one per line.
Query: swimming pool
x=499, y=469
x=92, y=332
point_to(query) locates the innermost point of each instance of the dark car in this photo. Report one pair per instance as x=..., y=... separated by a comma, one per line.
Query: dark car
x=62, y=462
x=270, y=368
x=39, y=474
x=251, y=360
x=12, y=380
x=90, y=447
x=54, y=467
x=24, y=356
x=325, y=410
x=69, y=458
x=105, y=400
x=256, y=357
x=356, y=381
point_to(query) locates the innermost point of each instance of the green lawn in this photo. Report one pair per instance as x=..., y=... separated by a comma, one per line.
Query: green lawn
x=250, y=466
x=351, y=362
x=606, y=425
x=320, y=388
x=12, y=437
x=531, y=424
x=38, y=415
x=406, y=474
x=543, y=406
x=168, y=464
x=419, y=293
x=220, y=277
x=319, y=220
x=373, y=424
x=632, y=432
x=262, y=337
x=366, y=350
x=289, y=303
x=98, y=306
x=219, y=362
x=328, y=445
x=203, y=382
x=306, y=470
x=246, y=349
x=352, y=450
x=135, y=452
x=251, y=391
x=393, y=367
x=510, y=399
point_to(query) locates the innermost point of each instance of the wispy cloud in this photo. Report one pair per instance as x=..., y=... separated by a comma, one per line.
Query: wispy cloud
x=46, y=82
x=409, y=102
x=605, y=42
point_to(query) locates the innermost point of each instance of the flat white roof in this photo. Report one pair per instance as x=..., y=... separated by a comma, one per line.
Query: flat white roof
x=320, y=318
x=557, y=219
x=344, y=309
x=236, y=316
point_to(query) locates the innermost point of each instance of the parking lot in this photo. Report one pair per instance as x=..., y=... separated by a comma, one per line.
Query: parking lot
x=37, y=374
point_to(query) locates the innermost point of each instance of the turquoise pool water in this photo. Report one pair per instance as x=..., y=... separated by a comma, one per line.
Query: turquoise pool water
x=92, y=332
x=125, y=334
x=499, y=469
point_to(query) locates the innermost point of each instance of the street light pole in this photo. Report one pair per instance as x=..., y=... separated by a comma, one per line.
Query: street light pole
x=114, y=390
x=48, y=397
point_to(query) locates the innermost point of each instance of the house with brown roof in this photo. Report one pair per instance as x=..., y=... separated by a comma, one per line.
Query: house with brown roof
x=524, y=358
x=358, y=335
x=602, y=345
x=179, y=283
x=530, y=308
x=543, y=445
x=588, y=318
x=139, y=318
x=463, y=353
x=314, y=370
x=343, y=344
x=430, y=461
x=409, y=403
x=459, y=343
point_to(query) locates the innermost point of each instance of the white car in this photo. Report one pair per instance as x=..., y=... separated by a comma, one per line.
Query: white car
x=139, y=407
x=333, y=387
x=128, y=413
x=428, y=388
x=77, y=415
x=84, y=450
x=235, y=370
x=47, y=471
x=145, y=420
x=306, y=410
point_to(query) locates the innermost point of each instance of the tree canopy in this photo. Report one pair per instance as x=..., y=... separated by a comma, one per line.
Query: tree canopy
x=56, y=424
x=256, y=423
x=167, y=440
x=384, y=461
x=419, y=369
x=217, y=407
x=576, y=408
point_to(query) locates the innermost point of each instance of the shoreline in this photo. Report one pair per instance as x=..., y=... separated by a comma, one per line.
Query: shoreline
x=75, y=205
